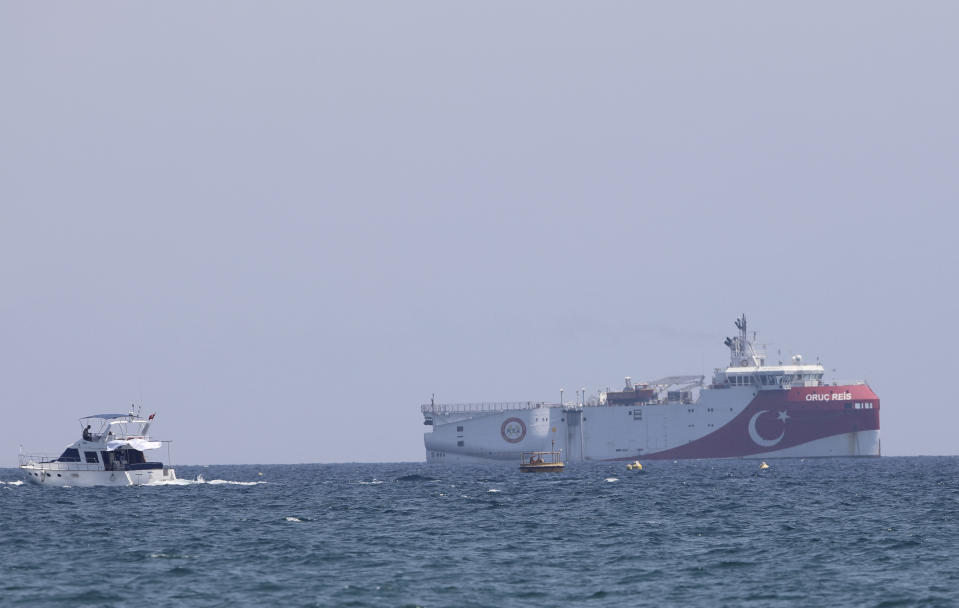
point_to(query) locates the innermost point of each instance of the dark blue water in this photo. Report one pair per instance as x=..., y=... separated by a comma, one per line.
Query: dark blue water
x=824, y=532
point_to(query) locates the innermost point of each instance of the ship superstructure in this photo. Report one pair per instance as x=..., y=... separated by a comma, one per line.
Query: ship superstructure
x=749, y=409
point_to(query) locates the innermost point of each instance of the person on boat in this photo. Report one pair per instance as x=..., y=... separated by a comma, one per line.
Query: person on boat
x=87, y=436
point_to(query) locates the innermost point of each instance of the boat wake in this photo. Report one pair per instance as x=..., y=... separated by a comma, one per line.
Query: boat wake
x=201, y=481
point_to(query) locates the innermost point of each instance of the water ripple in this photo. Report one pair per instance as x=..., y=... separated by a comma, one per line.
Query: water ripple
x=827, y=532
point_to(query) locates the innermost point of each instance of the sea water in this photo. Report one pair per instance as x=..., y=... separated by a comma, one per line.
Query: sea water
x=814, y=532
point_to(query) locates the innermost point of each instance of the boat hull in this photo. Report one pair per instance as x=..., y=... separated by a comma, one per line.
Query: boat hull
x=46, y=476
x=542, y=468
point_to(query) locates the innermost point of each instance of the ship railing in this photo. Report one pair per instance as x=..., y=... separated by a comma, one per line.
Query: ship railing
x=858, y=382
x=467, y=408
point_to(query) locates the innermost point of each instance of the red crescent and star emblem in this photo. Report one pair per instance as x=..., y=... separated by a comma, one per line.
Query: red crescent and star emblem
x=759, y=439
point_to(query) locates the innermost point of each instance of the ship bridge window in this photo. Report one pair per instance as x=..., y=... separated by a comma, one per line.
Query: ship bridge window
x=91, y=457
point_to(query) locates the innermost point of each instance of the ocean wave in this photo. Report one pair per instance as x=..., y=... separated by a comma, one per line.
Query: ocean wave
x=168, y=556
x=415, y=477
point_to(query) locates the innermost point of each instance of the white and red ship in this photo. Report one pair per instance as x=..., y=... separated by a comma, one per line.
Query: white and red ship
x=750, y=410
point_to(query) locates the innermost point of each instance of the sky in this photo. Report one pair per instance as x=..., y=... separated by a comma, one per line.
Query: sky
x=283, y=226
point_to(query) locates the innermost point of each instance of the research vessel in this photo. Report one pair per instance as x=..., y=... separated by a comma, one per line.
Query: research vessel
x=750, y=409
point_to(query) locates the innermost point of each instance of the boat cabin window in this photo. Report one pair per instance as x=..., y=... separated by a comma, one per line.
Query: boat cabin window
x=107, y=460
x=91, y=457
x=70, y=455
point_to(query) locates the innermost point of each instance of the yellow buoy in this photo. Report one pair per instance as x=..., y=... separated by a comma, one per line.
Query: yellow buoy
x=763, y=466
x=630, y=467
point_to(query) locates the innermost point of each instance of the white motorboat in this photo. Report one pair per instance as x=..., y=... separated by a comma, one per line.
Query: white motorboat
x=112, y=454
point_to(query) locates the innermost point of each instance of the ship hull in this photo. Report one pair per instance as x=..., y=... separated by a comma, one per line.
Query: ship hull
x=725, y=422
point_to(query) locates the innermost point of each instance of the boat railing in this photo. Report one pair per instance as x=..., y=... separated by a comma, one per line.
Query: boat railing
x=49, y=461
x=466, y=408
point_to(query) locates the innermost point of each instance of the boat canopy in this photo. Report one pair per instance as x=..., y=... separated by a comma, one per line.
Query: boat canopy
x=136, y=444
x=106, y=416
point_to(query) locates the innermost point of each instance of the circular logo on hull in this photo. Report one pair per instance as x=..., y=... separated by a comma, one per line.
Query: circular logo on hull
x=513, y=430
